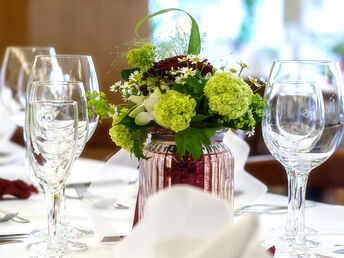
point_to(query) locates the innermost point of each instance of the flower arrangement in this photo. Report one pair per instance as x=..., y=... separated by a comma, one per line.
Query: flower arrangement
x=183, y=93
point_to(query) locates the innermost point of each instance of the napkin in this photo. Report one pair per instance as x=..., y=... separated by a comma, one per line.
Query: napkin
x=184, y=222
x=17, y=188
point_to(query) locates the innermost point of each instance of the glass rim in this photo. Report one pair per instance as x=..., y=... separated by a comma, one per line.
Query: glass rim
x=54, y=102
x=65, y=56
x=39, y=83
x=307, y=61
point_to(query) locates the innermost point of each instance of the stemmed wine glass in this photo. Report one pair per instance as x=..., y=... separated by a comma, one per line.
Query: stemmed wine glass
x=302, y=127
x=65, y=91
x=73, y=68
x=14, y=77
x=51, y=129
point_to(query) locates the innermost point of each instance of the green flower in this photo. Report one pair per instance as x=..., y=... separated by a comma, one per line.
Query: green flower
x=175, y=110
x=142, y=58
x=125, y=137
x=122, y=136
x=257, y=106
x=228, y=95
x=97, y=104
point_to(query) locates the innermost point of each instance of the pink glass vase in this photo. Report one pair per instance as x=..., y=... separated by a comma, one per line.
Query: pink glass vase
x=212, y=172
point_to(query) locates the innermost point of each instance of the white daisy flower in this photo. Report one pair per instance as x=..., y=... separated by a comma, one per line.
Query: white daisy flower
x=173, y=72
x=183, y=59
x=253, y=80
x=194, y=59
x=135, y=76
x=242, y=64
x=116, y=86
x=181, y=79
x=126, y=85
x=113, y=111
x=187, y=71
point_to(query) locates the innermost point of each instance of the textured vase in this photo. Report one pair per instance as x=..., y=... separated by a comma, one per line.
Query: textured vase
x=212, y=172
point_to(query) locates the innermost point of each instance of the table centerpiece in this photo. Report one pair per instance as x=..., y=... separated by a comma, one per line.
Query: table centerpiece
x=185, y=105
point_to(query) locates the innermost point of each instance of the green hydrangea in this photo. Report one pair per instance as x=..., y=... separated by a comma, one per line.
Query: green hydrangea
x=175, y=110
x=125, y=137
x=142, y=58
x=122, y=136
x=228, y=95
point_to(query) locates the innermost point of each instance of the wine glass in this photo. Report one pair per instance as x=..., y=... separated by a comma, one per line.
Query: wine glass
x=302, y=127
x=51, y=129
x=65, y=90
x=58, y=68
x=14, y=76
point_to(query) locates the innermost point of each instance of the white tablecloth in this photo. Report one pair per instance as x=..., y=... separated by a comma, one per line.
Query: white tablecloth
x=322, y=217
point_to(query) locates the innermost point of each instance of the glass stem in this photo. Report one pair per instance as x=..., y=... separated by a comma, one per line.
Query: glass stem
x=63, y=215
x=290, y=222
x=300, y=183
x=53, y=201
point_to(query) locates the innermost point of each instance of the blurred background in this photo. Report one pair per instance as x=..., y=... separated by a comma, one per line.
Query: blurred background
x=254, y=31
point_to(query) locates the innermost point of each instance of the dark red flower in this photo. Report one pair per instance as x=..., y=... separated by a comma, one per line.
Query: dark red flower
x=167, y=64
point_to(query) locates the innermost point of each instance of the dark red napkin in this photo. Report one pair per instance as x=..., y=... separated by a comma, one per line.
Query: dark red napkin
x=272, y=250
x=17, y=188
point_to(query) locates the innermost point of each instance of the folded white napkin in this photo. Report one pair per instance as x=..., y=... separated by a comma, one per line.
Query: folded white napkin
x=184, y=222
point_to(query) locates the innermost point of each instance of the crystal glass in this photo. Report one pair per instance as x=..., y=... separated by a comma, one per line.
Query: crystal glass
x=75, y=68
x=14, y=78
x=212, y=172
x=65, y=90
x=78, y=68
x=52, y=132
x=302, y=127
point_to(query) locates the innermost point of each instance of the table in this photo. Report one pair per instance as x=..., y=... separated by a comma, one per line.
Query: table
x=323, y=217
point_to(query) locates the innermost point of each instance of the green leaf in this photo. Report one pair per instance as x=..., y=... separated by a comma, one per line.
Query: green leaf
x=129, y=122
x=195, y=38
x=138, y=145
x=199, y=118
x=191, y=139
x=196, y=85
x=126, y=73
x=178, y=87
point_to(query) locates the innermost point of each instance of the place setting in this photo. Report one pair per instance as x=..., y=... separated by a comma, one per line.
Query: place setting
x=178, y=184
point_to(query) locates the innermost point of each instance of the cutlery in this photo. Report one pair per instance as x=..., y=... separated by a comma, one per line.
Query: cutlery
x=267, y=208
x=339, y=251
x=3, y=242
x=112, y=182
x=13, y=236
x=261, y=209
x=8, y=217
x=15, y=218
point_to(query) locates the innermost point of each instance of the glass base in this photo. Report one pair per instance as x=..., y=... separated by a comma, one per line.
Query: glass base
x=65, y=248
x=69, y=233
